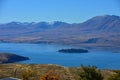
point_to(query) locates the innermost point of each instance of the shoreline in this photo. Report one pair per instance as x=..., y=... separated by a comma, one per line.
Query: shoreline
x=114, y=49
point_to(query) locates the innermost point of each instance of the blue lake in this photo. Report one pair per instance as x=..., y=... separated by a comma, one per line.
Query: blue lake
x=47, y=54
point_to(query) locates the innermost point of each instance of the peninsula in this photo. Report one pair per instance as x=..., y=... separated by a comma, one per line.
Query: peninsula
x=11, y=58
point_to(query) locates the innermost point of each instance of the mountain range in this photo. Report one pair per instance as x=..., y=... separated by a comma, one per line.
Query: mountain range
x=102, y=31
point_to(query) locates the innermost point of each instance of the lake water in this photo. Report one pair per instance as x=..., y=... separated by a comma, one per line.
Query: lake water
x=47, y=54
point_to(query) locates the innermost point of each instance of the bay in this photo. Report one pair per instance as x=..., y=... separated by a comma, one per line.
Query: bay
x=47, y=54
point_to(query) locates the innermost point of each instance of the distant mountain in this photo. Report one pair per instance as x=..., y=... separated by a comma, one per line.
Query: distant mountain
x=99, y=23
x=103, y=23
x=97, y=31
x=15, y=28
x=39, y=25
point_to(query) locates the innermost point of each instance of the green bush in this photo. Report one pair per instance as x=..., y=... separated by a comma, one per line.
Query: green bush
x=90, y=73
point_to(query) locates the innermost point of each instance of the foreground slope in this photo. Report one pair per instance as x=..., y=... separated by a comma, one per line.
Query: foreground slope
x=16, y=70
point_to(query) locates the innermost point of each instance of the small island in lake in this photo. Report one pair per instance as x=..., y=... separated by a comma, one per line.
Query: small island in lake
x=73, y=50
x=11, y=58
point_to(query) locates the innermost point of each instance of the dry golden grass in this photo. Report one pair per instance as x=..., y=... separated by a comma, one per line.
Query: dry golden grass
x=38, y=71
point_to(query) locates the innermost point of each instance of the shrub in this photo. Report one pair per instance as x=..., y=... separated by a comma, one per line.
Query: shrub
x=115, y=76
x=29, y=75
x=90, y=73
x=49, y=76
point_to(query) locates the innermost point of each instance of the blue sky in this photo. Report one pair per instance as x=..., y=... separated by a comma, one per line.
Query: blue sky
x=71, y=11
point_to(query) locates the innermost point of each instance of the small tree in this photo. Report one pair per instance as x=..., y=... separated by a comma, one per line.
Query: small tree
x=90, y=73
x=115, y=76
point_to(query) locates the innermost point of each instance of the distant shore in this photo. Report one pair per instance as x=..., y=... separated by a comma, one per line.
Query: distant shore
x=115, y=49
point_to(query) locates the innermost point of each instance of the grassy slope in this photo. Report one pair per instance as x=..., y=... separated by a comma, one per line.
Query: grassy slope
x=16, y=70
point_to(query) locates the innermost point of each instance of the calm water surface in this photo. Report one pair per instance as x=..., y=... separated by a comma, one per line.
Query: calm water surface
x=47, y=54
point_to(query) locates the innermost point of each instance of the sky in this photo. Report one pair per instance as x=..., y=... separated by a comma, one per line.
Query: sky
x=71, y=11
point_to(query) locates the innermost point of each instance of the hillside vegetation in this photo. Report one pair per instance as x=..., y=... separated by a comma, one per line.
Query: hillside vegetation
x=39, y=72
